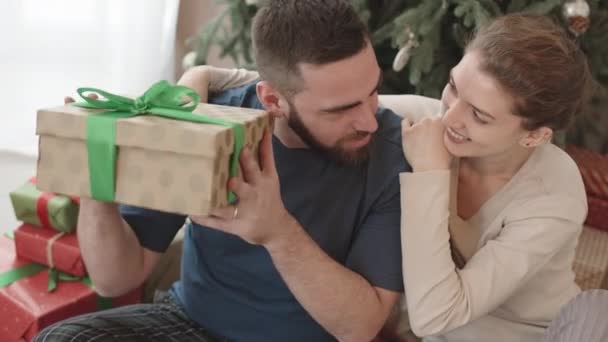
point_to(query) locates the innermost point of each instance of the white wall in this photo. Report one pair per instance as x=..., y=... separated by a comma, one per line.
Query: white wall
x=49, y=48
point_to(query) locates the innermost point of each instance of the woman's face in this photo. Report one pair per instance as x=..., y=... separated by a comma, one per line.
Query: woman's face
x=477, y=113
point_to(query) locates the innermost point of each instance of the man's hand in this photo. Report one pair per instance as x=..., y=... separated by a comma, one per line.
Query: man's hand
x=259, y=217
x=69, y=99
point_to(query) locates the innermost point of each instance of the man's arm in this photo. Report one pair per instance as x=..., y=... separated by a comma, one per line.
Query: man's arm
x=340, y=300
x=115, y=260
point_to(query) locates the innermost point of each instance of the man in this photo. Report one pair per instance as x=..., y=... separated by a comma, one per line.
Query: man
x=311, y=250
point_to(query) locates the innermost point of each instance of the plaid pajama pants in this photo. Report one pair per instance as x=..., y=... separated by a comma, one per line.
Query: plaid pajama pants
x=162, y=321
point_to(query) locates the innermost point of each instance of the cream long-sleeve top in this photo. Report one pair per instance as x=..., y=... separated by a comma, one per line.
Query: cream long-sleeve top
x=518, y=248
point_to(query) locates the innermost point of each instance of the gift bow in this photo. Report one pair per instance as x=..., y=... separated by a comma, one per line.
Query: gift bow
x=162, y=99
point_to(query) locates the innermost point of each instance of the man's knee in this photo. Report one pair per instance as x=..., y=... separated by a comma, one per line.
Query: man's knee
x=69, y=331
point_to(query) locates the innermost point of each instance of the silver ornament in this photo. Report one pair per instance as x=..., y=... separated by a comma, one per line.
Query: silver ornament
x=404, y=54
x=576, y=13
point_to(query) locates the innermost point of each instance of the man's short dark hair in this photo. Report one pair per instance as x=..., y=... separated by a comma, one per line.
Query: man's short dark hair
x=289, y=32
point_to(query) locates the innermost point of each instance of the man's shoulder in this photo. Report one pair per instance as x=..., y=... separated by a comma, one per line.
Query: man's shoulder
x=388, y=136
x=386, y=158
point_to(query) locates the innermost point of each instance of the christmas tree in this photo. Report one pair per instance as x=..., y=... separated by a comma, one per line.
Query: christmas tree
x=418, y=42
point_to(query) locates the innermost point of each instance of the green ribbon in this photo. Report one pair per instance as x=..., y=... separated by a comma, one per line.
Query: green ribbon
x=162, y=99
x=20, y=272
x=56, y=276
x=103, y=303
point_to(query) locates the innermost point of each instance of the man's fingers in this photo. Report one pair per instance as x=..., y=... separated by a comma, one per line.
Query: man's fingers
x=69, y=99
x=239, y=187
x=267, y=154
x=249, y=166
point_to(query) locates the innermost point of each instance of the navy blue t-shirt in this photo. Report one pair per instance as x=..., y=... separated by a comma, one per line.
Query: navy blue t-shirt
x=232, y=288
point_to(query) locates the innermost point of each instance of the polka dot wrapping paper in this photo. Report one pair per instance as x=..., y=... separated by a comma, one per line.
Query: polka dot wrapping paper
x=163, y=164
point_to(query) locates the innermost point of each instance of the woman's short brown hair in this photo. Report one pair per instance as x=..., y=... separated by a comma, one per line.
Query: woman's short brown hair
x=535, y=60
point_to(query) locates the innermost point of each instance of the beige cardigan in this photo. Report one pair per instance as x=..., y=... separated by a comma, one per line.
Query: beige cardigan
x=519, y=248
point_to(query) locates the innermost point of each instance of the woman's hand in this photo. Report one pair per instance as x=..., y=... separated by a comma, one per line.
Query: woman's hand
x=423, y=145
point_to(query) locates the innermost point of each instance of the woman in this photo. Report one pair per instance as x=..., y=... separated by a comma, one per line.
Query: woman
x=492, y=210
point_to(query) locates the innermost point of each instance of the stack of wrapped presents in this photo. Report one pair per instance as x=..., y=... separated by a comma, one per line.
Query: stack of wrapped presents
x=43, y=279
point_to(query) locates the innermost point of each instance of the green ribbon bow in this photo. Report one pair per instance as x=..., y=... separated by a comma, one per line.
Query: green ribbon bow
x=56, y=276
x=162, y=99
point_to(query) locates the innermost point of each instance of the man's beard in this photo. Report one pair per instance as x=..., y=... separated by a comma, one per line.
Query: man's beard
x=337, y=152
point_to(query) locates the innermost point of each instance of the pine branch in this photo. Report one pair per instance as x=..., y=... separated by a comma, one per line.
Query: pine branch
x=517, y=6
x=543, y=7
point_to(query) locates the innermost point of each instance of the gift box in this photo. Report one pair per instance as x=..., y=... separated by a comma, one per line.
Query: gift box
x=164, y=161
x=27, y=306
x=50, y=248
x=43, y=208
x=598, y=213
x=594, y=170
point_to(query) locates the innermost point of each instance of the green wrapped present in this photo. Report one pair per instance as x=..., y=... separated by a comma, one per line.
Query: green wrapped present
x=45, y=209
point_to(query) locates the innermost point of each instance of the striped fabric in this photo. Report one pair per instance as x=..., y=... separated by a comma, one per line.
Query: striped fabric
x=584, y=319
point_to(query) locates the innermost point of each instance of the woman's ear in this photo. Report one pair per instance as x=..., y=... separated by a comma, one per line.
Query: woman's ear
x=273, y=101
x=537, y=137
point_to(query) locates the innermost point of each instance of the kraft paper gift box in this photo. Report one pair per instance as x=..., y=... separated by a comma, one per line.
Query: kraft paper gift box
x=27, y=305
x=163, y=164
x=43, y=208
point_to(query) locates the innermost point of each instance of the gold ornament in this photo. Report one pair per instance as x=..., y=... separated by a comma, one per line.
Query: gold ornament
x=576, y=13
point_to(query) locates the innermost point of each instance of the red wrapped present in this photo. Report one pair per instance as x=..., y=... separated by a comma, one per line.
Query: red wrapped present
x=598, y=213
x=27, y=306
x=51, y=248
x=594, y=170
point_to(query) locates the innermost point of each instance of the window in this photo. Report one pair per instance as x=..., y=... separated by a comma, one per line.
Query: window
x=50, y=48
